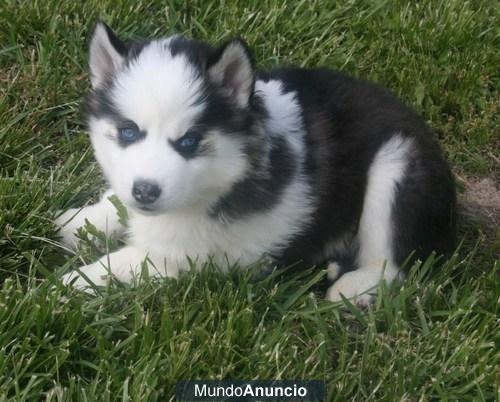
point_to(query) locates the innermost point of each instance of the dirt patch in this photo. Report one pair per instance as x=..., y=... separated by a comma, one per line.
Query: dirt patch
x=481, y=201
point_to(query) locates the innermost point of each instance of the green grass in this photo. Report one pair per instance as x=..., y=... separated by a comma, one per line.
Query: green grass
x=437, y=338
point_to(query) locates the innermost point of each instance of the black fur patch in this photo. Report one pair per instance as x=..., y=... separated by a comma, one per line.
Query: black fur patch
x=424, y=207
x=135, y=49
x=260, y=190
x=198, y=53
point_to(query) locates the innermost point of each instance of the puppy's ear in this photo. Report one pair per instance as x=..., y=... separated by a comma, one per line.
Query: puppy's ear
x=107, y=54
x=231, y=69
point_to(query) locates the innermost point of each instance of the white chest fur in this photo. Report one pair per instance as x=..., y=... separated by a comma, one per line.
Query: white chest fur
x=177, y=235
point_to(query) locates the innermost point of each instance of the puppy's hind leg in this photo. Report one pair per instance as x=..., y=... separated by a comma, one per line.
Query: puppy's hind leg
x=103, y=215
x=376, y=230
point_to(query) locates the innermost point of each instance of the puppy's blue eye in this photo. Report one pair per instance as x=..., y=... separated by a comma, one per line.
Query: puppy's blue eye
x=187, y=144
x=129, y=134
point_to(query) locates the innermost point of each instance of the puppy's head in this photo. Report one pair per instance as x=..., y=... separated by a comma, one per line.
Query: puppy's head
x=171, y=119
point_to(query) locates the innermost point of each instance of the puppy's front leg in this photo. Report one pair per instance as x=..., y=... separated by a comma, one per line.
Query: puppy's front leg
x=103, y=215
x=124, y=264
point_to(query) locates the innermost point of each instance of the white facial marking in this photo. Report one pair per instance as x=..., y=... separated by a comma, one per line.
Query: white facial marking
x=159, y=91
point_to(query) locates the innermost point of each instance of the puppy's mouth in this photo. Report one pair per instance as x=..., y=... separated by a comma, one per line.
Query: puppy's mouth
x=147, y=209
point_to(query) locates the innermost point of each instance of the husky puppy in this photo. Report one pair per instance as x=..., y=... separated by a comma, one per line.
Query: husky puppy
x=216, y=160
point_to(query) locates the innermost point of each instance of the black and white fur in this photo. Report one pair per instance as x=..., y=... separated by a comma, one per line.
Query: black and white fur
x=300, y=165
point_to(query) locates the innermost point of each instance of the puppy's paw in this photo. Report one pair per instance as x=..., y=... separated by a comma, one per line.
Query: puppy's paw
x=68, y=223
x=359, y=286
x=86, y=278
x=333, y=271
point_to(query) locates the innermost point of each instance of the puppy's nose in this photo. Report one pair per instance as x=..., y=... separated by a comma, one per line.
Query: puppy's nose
x=145, y=191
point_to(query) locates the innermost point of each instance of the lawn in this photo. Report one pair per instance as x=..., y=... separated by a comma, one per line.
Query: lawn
x=435, y=338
